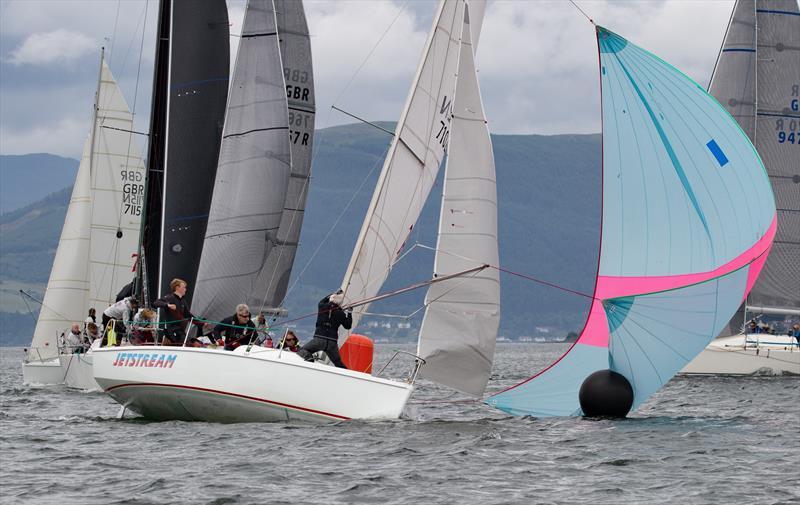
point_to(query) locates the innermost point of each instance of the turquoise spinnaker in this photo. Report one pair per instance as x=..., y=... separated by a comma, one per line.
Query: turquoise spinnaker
x=688, y=219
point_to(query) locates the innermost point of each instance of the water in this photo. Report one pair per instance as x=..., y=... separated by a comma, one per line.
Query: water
x=699, y=440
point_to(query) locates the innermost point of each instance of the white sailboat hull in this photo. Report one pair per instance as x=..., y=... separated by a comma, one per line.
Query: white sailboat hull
x=48, y=372
x=79, y=372
x=189, y=384
x=763, y=354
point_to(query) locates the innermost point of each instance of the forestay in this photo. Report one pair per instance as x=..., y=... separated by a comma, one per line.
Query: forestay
x=459, y=330
x=298, y=73
x=757, y=79
x=687, y=221
x=117, y=188
x=252, y=175
x=412, y=163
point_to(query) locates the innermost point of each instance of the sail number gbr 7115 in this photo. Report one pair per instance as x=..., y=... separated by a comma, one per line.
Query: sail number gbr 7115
x=132, y=192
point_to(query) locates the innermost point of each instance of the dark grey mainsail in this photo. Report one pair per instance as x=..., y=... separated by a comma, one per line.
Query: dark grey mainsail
x=757, y=79
x=252, y=175
x=298, y=73
x=198, y=88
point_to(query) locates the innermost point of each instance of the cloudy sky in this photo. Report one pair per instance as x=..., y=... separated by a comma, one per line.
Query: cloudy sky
x=537, y=59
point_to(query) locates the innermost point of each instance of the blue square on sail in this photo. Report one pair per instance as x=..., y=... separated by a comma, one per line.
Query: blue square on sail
x=717, y=152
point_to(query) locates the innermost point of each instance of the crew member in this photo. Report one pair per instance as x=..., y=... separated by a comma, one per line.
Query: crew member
x=330, y=316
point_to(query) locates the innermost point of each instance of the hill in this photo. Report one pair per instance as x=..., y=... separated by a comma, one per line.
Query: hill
x=548, y=198
x=27, y=178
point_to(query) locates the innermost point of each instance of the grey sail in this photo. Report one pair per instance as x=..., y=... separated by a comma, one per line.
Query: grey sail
x=252, y=175
x=297, y=71
x=757, y=79
x=199, y=62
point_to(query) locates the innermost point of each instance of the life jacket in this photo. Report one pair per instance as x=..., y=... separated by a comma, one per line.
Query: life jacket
x=111, y=335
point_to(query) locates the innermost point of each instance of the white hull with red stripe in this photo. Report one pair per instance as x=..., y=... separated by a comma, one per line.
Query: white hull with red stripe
x=263, y=385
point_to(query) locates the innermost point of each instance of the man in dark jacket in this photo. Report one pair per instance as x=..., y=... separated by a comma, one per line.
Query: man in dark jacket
x=177, y=315
x=237, y=329
x=330, y=316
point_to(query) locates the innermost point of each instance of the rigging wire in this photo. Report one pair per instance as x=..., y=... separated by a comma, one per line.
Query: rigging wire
x=21, y=293
x=581, y=11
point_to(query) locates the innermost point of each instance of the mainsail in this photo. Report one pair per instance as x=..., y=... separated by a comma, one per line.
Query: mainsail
x=117, y=188
x=687, y=222
x=101, y=226
x=252, y=175
x=757, y=79
x=190, y=91
x=299, y=76
x=414, y=157
x=459, y=330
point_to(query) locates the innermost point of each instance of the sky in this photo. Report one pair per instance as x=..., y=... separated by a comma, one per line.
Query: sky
x=537, y=59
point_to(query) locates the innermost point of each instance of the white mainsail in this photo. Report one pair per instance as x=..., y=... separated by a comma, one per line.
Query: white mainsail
x=462, y=315
x=91, y=262
x=412, y=163
x=117, y=189
x=252, y=175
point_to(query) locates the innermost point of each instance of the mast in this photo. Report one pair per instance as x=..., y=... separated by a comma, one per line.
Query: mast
x=149, y=242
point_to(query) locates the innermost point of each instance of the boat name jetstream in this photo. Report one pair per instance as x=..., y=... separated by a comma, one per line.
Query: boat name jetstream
x=149, y=360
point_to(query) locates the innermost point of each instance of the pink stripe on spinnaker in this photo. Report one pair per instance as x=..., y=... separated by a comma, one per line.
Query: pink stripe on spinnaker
x=752, y=273
x=595, y=332
x=615, y=287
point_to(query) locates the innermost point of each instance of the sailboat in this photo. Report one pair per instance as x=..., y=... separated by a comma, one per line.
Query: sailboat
x=100, y=234
x=756, y=80
x=688, y=218
x=248, y=383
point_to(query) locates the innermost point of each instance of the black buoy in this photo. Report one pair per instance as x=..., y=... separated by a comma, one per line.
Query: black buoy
x=606, y=393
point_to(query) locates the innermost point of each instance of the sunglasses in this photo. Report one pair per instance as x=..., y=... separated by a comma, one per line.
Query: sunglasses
x=291, y=340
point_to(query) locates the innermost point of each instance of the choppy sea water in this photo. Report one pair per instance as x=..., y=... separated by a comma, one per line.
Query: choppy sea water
x=699, y=440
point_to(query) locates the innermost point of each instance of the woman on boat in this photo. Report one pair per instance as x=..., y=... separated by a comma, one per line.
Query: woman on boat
x=291, y=343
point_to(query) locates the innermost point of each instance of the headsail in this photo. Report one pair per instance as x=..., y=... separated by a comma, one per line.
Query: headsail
x=688, y=219
x=65, y=299
x=459, y=330
x=412, y=163
x=298, y=73
x=252, y=176
x=117, y=178
x=757, y=79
